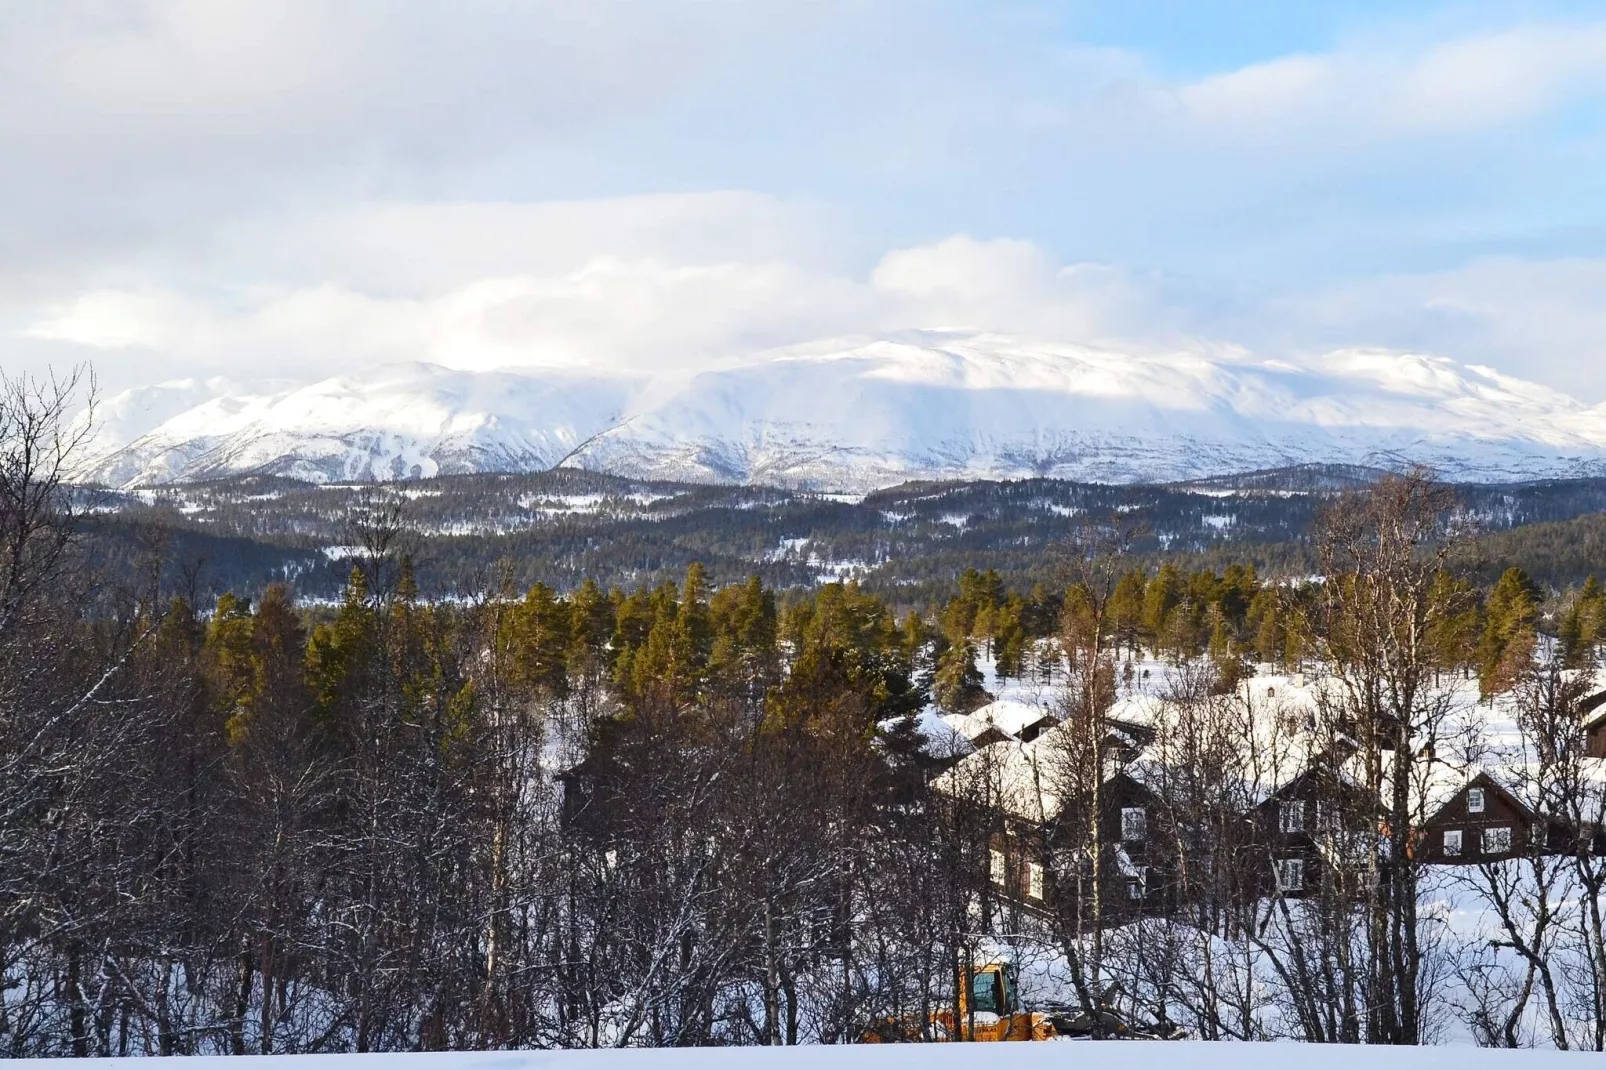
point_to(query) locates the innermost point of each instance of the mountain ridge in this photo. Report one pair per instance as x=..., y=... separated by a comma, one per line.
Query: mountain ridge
x=856, y=416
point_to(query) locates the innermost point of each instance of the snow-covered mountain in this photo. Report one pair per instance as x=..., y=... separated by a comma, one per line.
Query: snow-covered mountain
x=921, y=405
x=396, y=422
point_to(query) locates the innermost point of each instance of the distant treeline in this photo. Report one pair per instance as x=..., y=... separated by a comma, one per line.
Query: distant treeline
x=908, y=544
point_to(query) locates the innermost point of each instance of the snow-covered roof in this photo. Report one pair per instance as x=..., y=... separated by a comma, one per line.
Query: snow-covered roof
x=943, y=740
x=1277, y=730
x=1022, y=779
x=1009, y=716
x=1539, y=787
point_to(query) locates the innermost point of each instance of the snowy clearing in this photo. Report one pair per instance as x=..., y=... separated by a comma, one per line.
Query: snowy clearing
x=1095, y=1056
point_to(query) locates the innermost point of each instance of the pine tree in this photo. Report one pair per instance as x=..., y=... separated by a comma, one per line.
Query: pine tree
x=1266, y=619
x=339, y=656
x=1511, y=620
x=744, y=660
x=956, y=686
x=1453, y=631
x=230, y=662
x=1161, y=597
x=1126, y=611
x=540, y=641
x=591, y=626
x=1580, y=625
x=1009, y=639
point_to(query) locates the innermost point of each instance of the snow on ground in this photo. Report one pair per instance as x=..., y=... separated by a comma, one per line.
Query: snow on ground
x=1477, y=736
x=1087, y=1055
x=826, y=569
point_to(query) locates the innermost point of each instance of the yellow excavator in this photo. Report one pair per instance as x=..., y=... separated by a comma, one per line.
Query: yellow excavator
x=989, y=1010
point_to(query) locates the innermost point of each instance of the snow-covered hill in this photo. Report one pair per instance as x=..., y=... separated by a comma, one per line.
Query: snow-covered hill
x=397, y=422
x=922, y=405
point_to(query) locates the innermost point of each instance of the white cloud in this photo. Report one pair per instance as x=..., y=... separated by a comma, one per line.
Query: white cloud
x=1454, y=86
x=412, y=247
x=673, y=282
x=703, y=294
x=1280, y=90
x=964, y=269
x=1499, y=77
x=1538, y=320
x=147, y=123
x=111, y=319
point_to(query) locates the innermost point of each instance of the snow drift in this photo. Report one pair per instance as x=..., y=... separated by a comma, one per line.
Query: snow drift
x=1085, y=1056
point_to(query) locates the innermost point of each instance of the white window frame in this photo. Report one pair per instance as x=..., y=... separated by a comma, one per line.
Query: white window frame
x=1326, y=816
x=1134, y=824
x=1291, y=813
x=995, y=866
x=1034, y=880
x=1477, y=802
x=1290, y=874
x=1454, y=841
x=1493, y=837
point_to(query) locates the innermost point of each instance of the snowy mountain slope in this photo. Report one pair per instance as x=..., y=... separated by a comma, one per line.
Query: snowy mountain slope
x=919, y=406
x=401, y=421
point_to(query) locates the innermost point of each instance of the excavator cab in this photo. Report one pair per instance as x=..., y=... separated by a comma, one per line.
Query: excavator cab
x=992, y=990
x=989, y=1008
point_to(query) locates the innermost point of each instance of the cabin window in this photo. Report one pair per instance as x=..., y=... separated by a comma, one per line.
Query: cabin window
x=1474, y=800
x=1290, y=874
x=1293, y=811
x=1452, y=841
x=1326, y=816
x=1497, y=841
x=1138, y=886
x=1034, y=880
x=1134, y=823
x=995, y=860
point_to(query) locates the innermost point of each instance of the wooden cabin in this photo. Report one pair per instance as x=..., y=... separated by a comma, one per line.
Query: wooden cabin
x=1138, y=870
x=1316, y=823
x=1593, y=711
x=1483, y=822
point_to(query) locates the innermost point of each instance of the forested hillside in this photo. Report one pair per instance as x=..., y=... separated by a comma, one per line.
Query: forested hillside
x=907, y=544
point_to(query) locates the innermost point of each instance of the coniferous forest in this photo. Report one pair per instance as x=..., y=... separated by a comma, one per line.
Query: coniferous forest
x=735, y=811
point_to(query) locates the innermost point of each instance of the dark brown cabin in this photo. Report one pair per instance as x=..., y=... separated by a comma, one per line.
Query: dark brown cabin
x=1137, y=878
x=1297, y=829
x=1483, y=822
x=1593, y=710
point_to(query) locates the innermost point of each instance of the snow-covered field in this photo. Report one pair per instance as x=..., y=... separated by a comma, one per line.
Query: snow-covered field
x=1082, y=1055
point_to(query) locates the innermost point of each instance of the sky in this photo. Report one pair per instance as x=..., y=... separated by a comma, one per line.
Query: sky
x=290, y=190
